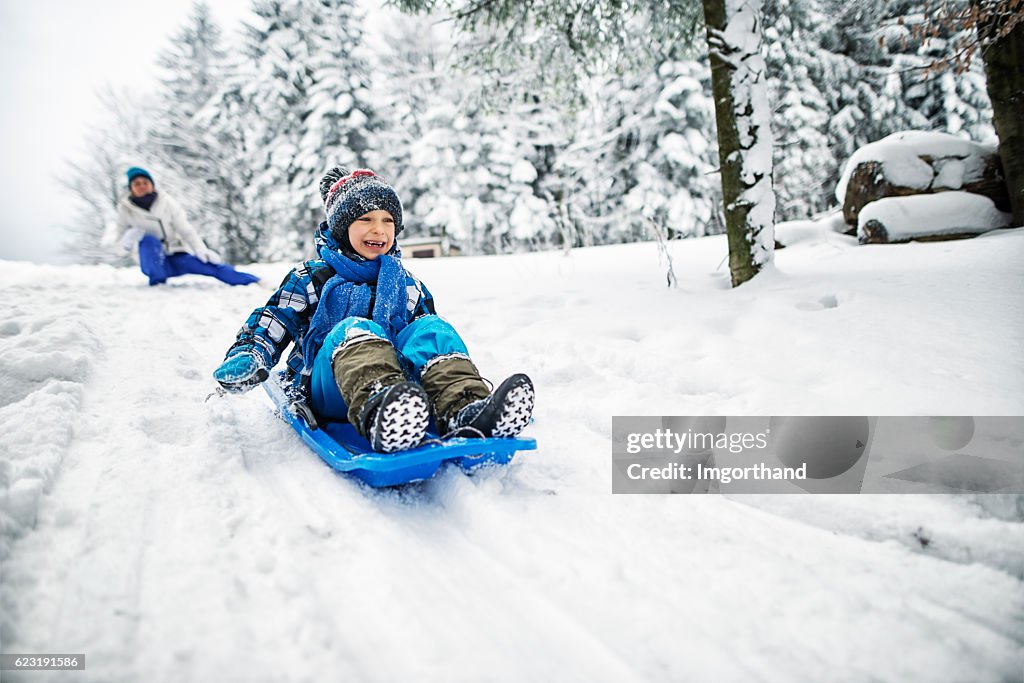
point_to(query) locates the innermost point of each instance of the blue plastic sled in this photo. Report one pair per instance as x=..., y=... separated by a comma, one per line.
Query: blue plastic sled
x=343, y=449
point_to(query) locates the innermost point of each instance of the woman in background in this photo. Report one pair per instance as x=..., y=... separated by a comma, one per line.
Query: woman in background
x=168, y=245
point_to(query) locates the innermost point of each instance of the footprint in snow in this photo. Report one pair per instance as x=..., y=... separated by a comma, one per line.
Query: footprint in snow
x=827, y=301
x=9, y=328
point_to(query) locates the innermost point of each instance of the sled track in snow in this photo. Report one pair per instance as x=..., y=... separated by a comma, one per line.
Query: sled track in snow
x=178, y=533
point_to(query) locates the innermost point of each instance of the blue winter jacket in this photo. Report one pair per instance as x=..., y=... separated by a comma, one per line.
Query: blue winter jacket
x=286, y=316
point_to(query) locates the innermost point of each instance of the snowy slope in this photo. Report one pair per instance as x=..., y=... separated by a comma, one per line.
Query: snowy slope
x=170, y=539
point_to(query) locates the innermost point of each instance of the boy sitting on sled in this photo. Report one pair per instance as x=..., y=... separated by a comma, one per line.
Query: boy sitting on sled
x=363, y=327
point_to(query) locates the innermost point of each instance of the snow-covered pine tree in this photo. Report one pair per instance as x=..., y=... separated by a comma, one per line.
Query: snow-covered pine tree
x=194, y=69
x=414, y=87
x=243, y=233
x=652, y=153
x=960, y=62
x=467, y=169
x=307, y=109
x=805, y=166
x=855, y=77
x=477, y=176
x=340, y=117
x=275, y=94
x=951, y=102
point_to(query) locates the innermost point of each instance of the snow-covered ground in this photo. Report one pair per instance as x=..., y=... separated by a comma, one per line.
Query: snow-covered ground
x=170, y=539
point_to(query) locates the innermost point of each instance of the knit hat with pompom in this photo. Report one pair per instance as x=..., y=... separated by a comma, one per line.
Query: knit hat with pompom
x=348, y=195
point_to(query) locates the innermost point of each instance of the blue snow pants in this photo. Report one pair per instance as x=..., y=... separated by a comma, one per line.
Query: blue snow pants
x=159, y=265
x=416, y=345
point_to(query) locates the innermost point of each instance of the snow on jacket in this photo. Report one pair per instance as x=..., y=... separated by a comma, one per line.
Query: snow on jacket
x=165, y=220
x=286, y=316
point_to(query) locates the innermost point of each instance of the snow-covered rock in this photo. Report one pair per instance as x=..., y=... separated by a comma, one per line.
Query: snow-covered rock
x=937, y=216
x=814, y=230
x=918, y=162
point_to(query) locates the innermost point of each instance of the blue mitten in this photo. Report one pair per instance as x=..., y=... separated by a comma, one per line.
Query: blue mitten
x=241, y=372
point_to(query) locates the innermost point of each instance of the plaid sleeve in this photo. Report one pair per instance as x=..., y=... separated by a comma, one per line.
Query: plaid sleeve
x=423, y=303
x=271, y=328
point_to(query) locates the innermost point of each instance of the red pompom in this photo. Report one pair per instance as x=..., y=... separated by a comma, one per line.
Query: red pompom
x=355, y=174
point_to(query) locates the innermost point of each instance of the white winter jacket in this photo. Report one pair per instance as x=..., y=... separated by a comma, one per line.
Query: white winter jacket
x=165, y=220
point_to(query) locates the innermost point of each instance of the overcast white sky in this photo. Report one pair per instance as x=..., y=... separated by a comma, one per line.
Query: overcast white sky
x=54, y=56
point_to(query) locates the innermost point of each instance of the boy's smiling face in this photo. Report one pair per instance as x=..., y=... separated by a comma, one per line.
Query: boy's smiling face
x=372, y=234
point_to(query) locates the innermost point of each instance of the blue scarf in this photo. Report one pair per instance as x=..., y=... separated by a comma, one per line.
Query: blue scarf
x=348, y=294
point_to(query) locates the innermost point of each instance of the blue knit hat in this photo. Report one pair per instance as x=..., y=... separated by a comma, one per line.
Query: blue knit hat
x=134, y=172
x=349, y=195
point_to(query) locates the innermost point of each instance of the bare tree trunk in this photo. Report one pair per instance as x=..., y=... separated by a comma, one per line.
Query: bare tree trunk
x=1004, y=72
x=738, y=83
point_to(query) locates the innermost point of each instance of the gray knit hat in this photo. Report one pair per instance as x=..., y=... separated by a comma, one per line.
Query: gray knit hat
x=349, y=195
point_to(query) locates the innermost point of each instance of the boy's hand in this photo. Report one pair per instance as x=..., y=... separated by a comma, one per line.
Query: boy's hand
x=241, y=372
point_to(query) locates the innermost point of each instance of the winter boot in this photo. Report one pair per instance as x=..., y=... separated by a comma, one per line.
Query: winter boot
x=462, y=402
x=504, y=413
x=396, y=418
x=389, y=412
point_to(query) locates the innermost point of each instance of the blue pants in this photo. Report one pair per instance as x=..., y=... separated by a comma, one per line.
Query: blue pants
x=159, y=265
x=416, y=345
